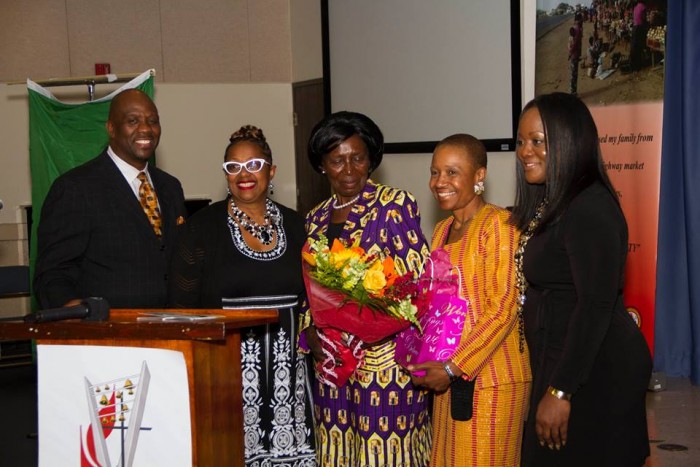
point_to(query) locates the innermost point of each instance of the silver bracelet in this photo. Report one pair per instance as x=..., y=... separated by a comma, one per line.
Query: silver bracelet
x=450, y=373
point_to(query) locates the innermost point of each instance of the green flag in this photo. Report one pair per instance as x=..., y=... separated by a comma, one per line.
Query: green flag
x=63, y=136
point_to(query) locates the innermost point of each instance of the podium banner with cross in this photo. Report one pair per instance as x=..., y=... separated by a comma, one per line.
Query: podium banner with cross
x=113, y=406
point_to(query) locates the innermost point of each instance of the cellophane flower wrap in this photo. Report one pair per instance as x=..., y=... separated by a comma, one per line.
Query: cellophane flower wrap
x=443, y=319
x=354, y=298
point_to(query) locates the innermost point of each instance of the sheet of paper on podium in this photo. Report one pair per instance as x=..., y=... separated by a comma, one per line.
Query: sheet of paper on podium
x=174, y=317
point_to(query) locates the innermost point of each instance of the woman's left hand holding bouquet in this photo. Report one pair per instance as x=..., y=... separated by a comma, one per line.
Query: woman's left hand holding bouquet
x=315, y=345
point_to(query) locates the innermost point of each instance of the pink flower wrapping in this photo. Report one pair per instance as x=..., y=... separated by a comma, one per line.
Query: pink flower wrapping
x=442, y=320
x=442, y=331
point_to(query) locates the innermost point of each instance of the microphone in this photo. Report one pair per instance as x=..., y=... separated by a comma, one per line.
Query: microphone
x=89, y=309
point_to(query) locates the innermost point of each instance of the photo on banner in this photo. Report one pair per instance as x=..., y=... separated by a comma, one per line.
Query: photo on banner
x=611, y=53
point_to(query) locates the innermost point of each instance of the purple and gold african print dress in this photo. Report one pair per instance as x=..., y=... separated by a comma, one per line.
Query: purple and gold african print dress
x=377, y=418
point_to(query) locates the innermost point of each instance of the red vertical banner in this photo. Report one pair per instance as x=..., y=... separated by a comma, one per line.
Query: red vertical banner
x=630, y=140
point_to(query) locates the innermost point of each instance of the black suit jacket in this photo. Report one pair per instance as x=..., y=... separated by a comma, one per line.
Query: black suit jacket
x=94, y=239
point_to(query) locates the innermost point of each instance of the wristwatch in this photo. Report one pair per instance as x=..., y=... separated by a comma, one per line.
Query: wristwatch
x=448, y=370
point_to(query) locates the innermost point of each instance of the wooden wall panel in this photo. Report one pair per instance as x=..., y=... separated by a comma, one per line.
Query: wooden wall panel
x=305, y=26
x=270, y=41
x=206, y=44
x=186, y=41
x=33, y=39
x=126, y=34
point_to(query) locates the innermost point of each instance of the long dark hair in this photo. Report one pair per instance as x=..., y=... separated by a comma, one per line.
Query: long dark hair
x=573, y=156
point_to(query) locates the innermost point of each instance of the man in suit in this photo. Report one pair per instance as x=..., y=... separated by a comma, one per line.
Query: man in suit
x=102, y=232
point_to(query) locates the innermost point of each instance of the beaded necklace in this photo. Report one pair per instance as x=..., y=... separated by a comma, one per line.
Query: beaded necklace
x=265, y=232
x=520, y=281
x=344, y=205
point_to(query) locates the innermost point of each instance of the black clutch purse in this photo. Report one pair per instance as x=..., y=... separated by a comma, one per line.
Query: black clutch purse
x=462, y=399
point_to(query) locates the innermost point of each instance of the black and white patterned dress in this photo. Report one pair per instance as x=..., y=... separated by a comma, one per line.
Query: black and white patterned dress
x=214, y=268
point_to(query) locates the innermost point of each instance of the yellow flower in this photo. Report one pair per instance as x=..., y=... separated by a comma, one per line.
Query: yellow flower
x=374, y=280
x=340, y=254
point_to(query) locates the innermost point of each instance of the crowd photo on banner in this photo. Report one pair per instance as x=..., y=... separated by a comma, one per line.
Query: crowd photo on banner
x=606, y=51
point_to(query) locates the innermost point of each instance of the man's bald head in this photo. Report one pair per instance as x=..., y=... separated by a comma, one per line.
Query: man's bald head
x=134, y=127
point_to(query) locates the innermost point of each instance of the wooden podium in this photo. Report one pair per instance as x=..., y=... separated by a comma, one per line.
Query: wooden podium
x=212, y=351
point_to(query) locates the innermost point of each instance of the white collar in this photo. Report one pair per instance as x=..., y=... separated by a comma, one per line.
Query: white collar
x=129, y=172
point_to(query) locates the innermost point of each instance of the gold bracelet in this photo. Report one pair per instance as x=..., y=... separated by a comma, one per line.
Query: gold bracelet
x=559, y=394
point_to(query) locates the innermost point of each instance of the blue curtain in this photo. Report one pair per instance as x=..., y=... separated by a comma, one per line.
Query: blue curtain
x=677, y=343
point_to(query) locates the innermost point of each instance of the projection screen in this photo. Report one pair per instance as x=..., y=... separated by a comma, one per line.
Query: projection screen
x=426, y=69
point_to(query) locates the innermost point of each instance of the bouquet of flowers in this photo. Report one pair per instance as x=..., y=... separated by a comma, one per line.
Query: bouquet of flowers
x=354, y=297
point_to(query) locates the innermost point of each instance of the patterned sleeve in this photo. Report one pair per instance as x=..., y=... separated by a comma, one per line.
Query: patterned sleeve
x=396, y=229
x=492, y=294
x=411, y=233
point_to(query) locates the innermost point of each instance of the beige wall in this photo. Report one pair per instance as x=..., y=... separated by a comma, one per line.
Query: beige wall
x=527, y=47
x=197, y=121
x=411, y=172
x=13, y=244
x=14, y=153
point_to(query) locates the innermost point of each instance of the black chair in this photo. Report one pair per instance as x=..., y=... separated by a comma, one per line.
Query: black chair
x=18, y=380
x=14, y=282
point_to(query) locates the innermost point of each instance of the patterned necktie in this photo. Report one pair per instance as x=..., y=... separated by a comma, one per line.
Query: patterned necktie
x=149, y=203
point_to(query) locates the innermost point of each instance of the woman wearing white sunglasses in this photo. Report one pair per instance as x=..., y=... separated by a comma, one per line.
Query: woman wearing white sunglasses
x=244, y=252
